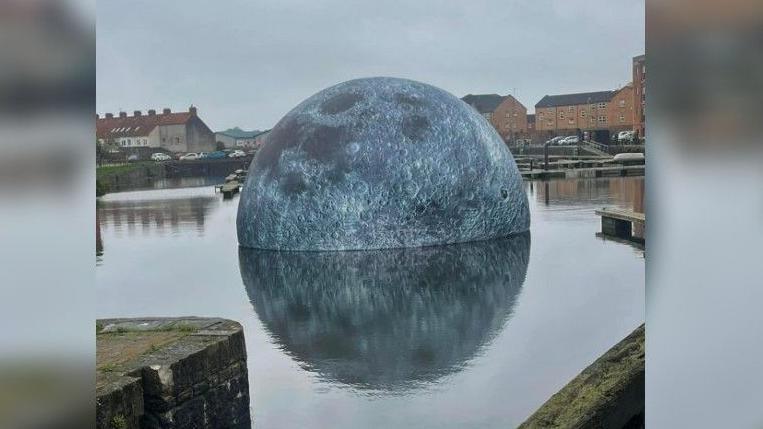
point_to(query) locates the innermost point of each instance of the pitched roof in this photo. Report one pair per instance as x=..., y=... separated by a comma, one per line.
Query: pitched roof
x=238, y=133
x=136, y=126
x=484, y=103
x=575, y=99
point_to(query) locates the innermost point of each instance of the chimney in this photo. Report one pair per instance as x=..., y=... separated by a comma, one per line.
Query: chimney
x=122, y=114
x=136, y=113
x=192, y=110
x=166, y=111
x=109, y=116
x=151, y=112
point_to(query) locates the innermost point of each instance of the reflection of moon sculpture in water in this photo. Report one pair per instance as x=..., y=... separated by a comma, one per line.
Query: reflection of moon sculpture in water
x=380, y=163
x=386, y=319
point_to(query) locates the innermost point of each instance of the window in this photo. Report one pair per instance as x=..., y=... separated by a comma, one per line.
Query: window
x=602, y=119
x=515, y=114
x=508, y=115
x=582, y=113
x=602, y=105
x=561, y=115
x=570, y=109
x=622, y=118
x=571, y=121
x=622, y=103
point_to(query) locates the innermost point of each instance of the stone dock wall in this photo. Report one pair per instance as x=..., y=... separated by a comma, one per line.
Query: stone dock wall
x=609, y=394
x=171, y=373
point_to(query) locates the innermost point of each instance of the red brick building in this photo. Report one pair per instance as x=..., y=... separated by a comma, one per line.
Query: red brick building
x=507, y=115
x=639, y=96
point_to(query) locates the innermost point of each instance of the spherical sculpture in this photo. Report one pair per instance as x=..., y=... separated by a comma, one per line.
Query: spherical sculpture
x=380, y=163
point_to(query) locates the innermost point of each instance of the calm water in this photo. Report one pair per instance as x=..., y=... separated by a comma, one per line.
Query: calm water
x=474, y=335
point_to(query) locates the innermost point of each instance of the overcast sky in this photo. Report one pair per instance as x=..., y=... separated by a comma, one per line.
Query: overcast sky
x=246, y=63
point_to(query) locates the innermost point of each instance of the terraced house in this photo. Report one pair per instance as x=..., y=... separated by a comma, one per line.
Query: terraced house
x=175, y=132
x=601, y=110
x=507, y=115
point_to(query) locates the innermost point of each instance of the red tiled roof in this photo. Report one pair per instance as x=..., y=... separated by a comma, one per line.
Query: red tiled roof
x=136, y=126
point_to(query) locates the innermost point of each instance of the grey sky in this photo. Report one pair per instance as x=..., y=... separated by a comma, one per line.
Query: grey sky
x=247, y=63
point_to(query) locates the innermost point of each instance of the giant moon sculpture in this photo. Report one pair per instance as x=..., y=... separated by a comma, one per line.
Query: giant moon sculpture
x=380, y=163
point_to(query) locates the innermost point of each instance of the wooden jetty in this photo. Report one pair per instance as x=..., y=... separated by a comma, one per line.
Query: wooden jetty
x=233, y=183
x=620, y=223
x=230, y=188
x=570, y=173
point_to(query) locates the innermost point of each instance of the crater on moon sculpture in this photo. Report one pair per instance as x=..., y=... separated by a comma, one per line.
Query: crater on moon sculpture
x=380, y=163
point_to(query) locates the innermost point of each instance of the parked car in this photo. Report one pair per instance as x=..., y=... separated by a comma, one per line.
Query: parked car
x=216, y=155
x=159, y=156
x=625, y=136
x=554, y=140
x=237, y=154
x=189, y=157
x=133, y=157
x=570, y=140
x=202, y=155
x=629, y=158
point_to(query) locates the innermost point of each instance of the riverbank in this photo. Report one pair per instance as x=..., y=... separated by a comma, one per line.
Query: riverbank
x=126, y=176
x=607, y=394
x=171, y=373
x=140, y=175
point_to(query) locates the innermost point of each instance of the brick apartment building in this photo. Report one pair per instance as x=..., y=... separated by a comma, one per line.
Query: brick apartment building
x=174, y=132
x=639, y=97
x=531, y=124
x=570, y=113
x=507, y=115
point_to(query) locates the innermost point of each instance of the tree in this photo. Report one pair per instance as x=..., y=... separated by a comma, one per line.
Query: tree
x=219, y=145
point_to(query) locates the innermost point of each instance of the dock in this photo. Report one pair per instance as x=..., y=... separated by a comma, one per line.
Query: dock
x=233, y=183
x=228, y=189
x=622, y=223
x=592, y=172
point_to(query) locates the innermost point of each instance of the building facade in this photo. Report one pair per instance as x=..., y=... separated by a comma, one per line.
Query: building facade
x=620, y=111
x=572, y=113
x=507, y=115
x=567, y=113
x=236, y=138
x=639, y=95
x=173, y=132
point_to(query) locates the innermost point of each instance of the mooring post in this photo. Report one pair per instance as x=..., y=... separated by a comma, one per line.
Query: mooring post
x=545, y=156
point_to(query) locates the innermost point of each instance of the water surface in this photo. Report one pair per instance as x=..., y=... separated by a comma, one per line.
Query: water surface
x=472, y=335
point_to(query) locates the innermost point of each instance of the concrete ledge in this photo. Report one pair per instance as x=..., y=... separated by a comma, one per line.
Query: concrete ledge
x=171, y=373
x=607, y=394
